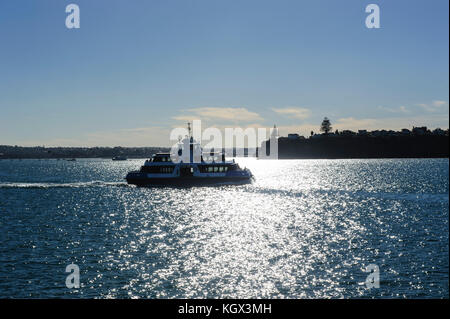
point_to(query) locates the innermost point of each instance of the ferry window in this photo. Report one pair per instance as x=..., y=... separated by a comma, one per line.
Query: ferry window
x=210, y=169
x=216, y=168
x=226, y=168
x=192, y=170
x=220, y=169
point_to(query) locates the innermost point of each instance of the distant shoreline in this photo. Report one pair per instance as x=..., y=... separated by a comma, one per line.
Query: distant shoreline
x=354, y=147
x=41, y=152
x=420, y=143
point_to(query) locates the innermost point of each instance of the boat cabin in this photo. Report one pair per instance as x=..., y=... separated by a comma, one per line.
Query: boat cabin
x=160, y=158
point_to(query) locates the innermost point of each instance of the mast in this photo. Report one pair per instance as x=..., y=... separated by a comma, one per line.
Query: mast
x=191, y=144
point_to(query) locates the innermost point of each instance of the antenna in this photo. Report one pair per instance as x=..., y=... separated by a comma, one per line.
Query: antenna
x=189, y=128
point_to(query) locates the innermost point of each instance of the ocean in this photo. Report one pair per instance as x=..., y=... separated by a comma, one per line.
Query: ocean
x=302, y=229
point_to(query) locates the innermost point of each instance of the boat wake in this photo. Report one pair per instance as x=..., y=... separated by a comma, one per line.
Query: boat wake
x=62, y=185
x=44, y=185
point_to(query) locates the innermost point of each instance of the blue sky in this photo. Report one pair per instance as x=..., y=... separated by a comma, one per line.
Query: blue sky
x=135, y=69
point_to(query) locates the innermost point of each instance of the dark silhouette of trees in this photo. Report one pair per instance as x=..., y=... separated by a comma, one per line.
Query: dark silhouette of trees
x=326, y=126
x=365, y=146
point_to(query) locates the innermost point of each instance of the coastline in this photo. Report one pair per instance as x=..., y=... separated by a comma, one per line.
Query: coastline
x=362, y=147
x=317, y=147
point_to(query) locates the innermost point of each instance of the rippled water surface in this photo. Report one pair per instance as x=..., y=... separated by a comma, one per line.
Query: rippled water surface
x=303, y=229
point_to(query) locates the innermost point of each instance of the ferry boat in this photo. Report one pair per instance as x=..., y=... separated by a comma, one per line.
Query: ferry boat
x=194, y=168
x=119, y=158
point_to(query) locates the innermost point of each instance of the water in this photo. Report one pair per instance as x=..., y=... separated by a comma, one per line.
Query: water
x=303, y=229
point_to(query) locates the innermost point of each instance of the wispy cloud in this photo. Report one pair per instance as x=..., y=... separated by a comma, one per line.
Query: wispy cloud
x=434, y=106
x=351, y=123
x=439, y=103
x=295, y=112
x=231, y=114
x=400, y=109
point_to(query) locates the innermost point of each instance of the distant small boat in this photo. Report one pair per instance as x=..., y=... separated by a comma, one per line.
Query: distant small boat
x=119, y=158
x=71, y=159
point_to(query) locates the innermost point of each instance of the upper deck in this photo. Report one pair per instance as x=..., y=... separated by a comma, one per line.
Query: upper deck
x=206, y=159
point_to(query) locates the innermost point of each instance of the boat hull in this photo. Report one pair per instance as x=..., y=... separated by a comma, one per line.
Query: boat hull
x=187, y=181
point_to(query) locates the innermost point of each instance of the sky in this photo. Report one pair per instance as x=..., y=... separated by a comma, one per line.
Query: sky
x=136, y=69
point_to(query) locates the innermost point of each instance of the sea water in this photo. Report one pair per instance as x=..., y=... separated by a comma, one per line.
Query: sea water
x=302, y=229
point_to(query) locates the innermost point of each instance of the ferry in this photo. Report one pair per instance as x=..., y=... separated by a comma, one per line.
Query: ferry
x=187, y=166
x=119, y=158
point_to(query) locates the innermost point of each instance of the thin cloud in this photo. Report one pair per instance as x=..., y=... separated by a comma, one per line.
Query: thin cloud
x=232, y=114
x=434, y=106
x=350, y=123
x=439, y=103
x=295, y=112
x=400, y=109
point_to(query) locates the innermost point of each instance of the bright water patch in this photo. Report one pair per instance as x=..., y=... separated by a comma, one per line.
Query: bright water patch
x=302, y=229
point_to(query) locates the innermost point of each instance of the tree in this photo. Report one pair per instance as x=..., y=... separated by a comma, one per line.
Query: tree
x=326, y=126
